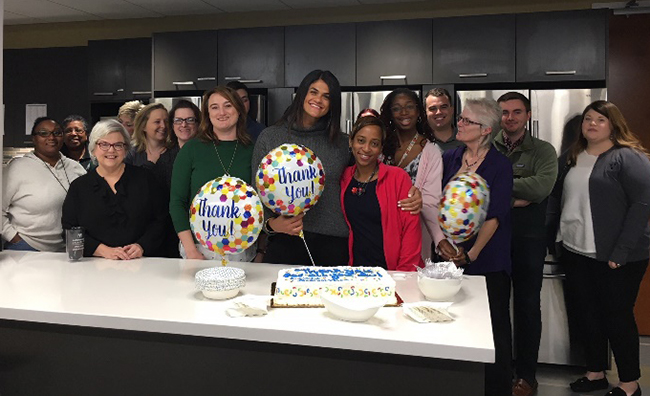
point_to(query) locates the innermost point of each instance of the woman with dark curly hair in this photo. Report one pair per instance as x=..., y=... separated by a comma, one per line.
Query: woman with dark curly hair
x=599, y=211
x=410, y=146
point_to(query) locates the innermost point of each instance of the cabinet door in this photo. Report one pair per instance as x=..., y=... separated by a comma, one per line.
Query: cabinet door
x=252, y=56
x=138, y=68
x=474, y=49
x=394, y=52
x=185, y=60
x=106, y=73
x=325, y=47
x=559, y=46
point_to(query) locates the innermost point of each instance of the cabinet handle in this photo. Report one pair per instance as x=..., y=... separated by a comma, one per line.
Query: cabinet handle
x=103, y=93
x=141, y=93
x=561, y=73
x=206, y=79
x=232, y=78
x=393, y=77
x=120, y=90
x=183, y=82
x=250, y=81
x=472, y=75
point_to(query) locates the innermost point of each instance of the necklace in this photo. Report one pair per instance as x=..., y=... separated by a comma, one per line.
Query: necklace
x=469, y=166
x=227, y=171
x=52, y=173
x=408, y=149
x=361, y=187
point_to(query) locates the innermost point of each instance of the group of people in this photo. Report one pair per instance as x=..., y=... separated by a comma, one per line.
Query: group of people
x=130, y=185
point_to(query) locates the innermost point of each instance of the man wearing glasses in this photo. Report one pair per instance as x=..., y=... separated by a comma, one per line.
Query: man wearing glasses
x=534, y=167
x=75, y=140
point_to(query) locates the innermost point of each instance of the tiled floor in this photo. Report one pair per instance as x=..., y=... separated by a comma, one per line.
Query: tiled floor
x=554, y=380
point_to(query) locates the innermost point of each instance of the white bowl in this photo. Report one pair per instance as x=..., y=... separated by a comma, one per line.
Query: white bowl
x=352, y=309
x=220, y=294
x=439, y=289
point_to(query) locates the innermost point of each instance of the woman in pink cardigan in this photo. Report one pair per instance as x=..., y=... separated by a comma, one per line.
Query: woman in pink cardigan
x=381, y=234
x=410, y=146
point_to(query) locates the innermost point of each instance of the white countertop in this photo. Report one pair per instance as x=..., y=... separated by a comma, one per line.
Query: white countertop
x=158, y=295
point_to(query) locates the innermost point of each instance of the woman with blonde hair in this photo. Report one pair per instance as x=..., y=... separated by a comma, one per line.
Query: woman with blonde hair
x=126, y=114
x=599, y=211
x=221, y=147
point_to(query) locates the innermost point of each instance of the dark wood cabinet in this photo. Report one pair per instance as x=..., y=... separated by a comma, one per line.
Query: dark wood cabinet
x=252, y=56
x=119, y=69
x=394, y=52
x=562, y=46
x=185, y=60
x=326, y=47
x=477, y=49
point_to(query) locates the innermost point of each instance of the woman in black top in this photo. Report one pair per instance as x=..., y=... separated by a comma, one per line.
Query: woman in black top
x=121, y=207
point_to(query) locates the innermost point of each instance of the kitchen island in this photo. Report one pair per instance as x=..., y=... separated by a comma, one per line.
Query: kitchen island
x=139, y=327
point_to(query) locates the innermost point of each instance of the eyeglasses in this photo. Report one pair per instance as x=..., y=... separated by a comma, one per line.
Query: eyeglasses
x=188, y=121
x=44, y=133
x=410, y=108
x=76, y=130
x=467, y=121
x=119, y=146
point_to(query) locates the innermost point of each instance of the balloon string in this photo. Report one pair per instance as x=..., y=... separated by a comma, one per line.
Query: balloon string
x=302, y=236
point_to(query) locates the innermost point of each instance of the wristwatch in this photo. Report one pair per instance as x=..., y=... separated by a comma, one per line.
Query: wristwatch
x=265, y=227
x=468, y=261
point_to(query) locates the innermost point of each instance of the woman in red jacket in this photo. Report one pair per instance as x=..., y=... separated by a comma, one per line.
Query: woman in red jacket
x=381, y=234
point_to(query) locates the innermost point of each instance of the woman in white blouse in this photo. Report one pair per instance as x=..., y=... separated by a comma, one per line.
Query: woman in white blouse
x=600, y=208
x=34, y=187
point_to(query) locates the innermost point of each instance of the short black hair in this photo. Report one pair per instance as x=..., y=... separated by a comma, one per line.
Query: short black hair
x=75, y=117
x=236, y=85
x=41, y=119
x=515, y=96
x=438, y=92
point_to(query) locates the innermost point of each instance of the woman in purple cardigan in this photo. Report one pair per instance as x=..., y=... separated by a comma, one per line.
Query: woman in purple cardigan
x=487, y=253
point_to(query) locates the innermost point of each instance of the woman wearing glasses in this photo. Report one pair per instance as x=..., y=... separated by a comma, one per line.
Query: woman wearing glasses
x=184, y=118
x=121, y=207
x=410, y=146
x=487, y=253
x=34, y=187
x=222, y=147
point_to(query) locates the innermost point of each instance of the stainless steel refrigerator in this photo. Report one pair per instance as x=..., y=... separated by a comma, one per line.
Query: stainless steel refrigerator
x=257, y=111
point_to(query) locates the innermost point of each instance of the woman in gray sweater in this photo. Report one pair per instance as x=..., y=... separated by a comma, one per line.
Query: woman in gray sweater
x=599, y=210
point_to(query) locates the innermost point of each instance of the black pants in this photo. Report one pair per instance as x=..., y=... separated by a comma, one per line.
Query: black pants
x=527, y=272
x=327, y=251
x=498, y=376
x=604, y=301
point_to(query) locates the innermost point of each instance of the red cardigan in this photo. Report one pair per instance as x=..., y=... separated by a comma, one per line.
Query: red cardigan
x=402, y=234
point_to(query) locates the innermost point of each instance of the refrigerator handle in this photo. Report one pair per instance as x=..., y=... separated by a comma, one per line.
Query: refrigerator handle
x=348, y=126
x=536, y=128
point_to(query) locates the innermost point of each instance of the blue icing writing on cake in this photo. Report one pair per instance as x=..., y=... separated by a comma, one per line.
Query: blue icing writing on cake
x=303, y=286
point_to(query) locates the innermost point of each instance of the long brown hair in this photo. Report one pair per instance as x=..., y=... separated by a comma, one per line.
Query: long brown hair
x=621, y=135
x=139, y=139
x=206, y=129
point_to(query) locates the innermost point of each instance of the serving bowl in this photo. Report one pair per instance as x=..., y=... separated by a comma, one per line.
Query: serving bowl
x=352, y=309
x=220, y=283
x=439, y=289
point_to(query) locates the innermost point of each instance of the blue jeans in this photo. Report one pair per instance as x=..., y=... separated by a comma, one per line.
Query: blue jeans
x=20, y=245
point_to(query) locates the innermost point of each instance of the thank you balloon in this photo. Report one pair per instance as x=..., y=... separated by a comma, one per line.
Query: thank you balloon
x=464, y=206
x=290, y=179
x=226, y=215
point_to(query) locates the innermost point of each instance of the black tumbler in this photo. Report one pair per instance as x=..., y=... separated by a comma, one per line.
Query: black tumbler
x=74, y=243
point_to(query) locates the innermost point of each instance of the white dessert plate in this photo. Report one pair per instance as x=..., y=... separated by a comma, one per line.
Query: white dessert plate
x=350, y=310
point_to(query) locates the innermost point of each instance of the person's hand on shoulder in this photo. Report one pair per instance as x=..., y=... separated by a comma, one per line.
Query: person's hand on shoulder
x=413, y=203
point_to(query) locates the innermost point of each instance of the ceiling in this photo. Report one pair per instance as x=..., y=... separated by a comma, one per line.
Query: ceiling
x=20, y=12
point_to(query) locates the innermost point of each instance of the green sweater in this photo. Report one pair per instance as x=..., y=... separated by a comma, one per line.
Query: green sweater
x=534, y=167
x=196, y=164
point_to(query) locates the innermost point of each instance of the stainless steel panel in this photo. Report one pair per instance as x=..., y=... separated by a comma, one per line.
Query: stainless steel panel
x=556, y=113
x=464, y=95
x=347, y=112
x=170, y=102
x=258, y=108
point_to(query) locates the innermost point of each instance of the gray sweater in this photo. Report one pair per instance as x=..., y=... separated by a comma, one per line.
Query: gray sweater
x=619, y=194
x=326, y=216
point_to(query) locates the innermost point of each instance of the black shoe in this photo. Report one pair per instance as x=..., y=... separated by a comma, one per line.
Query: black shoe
x=585, y=385
x=620, y=392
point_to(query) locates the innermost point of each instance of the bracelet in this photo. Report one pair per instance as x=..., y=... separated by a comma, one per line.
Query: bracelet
x=468, y=261
x=265, y=227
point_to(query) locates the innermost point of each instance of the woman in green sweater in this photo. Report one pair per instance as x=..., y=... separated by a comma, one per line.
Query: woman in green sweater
x=222, y=147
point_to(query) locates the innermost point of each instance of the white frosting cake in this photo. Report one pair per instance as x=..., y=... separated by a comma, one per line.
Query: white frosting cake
x=303, y=286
